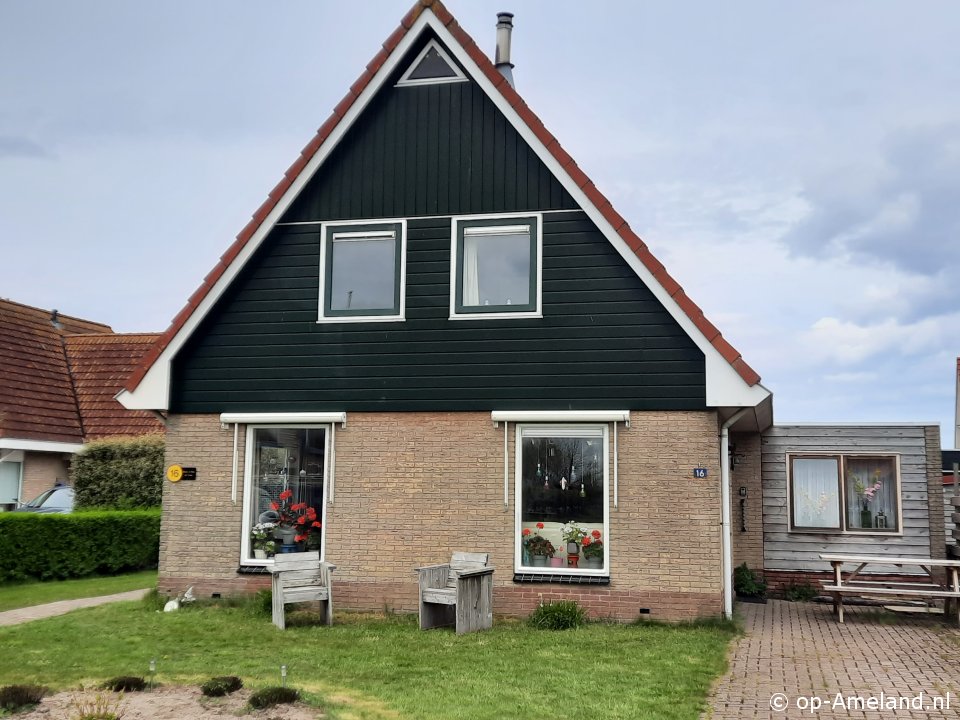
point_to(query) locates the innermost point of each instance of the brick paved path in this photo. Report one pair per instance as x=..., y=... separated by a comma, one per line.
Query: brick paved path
x=36, y=612
x=799, y=650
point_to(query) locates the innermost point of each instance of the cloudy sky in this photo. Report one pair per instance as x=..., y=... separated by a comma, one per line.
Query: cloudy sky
x=795, y=166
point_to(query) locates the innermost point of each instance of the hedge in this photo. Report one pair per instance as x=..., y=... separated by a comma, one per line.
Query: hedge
x=83, y=543
x=119, y=473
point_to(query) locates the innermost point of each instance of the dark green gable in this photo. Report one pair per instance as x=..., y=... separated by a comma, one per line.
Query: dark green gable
x=427, y=153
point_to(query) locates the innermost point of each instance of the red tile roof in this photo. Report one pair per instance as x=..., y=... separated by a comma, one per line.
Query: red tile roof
x=511, y=96
x=99, y=365
x=38, y=397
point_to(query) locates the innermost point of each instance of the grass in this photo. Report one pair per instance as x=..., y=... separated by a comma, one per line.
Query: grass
x=369, y=667
x=25, y=594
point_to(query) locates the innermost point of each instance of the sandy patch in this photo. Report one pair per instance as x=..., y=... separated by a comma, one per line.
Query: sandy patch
x=169, y=703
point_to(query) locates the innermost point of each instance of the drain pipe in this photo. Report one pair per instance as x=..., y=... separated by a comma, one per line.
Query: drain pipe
x=726, y=540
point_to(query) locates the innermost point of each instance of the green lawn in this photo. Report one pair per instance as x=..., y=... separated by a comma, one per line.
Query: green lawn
x=18, y=595
x=369, y=667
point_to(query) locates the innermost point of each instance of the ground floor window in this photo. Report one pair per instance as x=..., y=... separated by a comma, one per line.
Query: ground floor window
x=562, y=488
x=845, y=493
x=284, y=490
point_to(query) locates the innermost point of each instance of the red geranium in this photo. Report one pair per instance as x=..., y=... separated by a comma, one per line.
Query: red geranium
x=526, y=531
x=596, y=534
x=540, y=526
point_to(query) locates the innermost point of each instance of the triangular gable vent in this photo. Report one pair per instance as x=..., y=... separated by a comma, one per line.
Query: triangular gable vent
x=432, y=66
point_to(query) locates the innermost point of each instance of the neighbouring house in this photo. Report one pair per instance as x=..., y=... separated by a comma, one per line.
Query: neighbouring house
x=58, y=378
x=951, y=512
x=438, y=333
x=857, y=488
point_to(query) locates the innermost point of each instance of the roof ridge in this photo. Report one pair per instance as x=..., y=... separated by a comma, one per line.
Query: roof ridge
x=60, y=315
x=550, y=142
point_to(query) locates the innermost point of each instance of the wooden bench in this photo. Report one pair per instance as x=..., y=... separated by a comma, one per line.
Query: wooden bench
x=921, y=590
x=301, y=577
x=459, y=593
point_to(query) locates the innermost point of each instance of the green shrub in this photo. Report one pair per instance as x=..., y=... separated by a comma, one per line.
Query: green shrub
x=800, y=592
x=125, y=683
x=748, y=583
x=560, y=615
x=263, y=602
x=18, y=697
x=79, y=544
x=222, y=685
x=119, y=473
x=98, y=707
x=271, y=696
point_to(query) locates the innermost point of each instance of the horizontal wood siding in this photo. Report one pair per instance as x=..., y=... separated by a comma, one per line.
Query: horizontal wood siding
x=428, y=150
x=785, y=550
x=604, y=340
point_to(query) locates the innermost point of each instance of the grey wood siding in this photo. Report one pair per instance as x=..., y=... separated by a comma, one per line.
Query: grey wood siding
x=604, y=340
x=428, y=150
x=785, y=550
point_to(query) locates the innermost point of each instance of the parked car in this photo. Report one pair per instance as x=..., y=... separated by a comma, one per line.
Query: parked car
x=57, y=499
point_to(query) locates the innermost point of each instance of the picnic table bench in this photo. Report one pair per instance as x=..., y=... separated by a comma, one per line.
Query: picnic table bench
x=931, y=589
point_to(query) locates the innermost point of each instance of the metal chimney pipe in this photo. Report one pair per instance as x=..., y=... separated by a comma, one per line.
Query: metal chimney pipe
x=502, y=57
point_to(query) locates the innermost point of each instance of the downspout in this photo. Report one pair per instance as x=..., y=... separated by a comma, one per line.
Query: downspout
x=726, y=539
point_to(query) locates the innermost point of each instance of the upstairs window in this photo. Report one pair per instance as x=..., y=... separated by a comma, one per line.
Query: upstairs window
x=432, y=66
x=496, y=267
x=362, y=272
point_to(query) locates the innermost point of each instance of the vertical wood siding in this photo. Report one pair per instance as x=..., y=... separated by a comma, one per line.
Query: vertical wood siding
x=429, y=150
x=785, y=550
x=604, y=340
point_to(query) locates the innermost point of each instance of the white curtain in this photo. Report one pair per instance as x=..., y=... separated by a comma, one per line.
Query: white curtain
x=816, y=493
x=471, y=271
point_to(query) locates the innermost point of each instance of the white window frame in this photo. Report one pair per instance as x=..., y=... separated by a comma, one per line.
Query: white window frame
x=537, y=312
x=246, y=551
x=842, y=499
x=322, y=317
x=568, y=428
x=405, y=80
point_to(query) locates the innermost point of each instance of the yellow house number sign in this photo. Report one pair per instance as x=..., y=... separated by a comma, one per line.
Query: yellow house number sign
x=174, y=473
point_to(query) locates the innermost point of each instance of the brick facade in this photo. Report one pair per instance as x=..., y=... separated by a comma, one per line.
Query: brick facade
x=747, y=544
x=41, y=470
x=410, y=488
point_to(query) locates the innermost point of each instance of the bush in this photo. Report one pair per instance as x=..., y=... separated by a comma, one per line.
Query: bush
x=799, y=592
x=119, y=473
x=17, y=697
x=64, y=546
x=561, y=615
x=271, y=696
x=125, y=683
x=748, y=583
x=263, y=602
x=98, y=707
x=220, y=686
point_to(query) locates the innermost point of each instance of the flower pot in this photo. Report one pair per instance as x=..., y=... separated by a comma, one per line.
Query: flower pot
x=573, y=548
x=260, y=554
x=593, y=563
x=538, y=560
x=556, y=562
x=866, y=519
x=285, y=534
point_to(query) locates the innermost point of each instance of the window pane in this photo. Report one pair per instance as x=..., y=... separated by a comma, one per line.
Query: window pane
x=432, y=66
x=871, y=493
x=288, y=459
x=816, y=493
x=363, y=274
x=562, y=481
x=496, y=269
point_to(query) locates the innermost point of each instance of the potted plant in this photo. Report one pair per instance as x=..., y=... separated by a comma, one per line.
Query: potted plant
x=263, y=542
x=538, y=547
x=295, y=521
x=572, y=535
x=593, y=550
x=748, y=585
x=866, y=494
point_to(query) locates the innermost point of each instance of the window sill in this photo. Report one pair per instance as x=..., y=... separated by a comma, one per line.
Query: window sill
x=253, y=570
x=544, y=577
x=847, y=533
x=496, y=315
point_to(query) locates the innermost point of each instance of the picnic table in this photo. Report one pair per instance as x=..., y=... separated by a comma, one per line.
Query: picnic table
x=931, y=589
